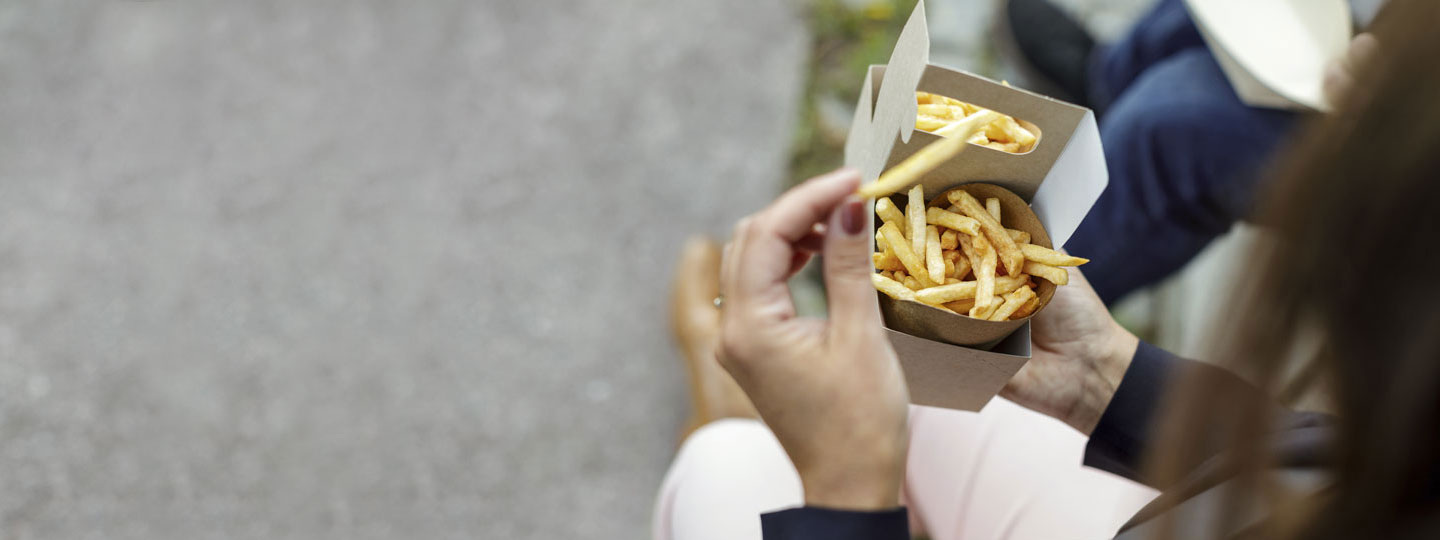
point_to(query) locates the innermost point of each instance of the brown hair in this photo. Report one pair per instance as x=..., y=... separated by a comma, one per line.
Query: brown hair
x=1356, y=204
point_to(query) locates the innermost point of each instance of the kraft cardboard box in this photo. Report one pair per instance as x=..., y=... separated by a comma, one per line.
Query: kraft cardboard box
x=952, y=361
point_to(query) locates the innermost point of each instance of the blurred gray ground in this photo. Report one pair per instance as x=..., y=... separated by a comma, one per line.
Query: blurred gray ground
x=362, y=269
x=365, y=269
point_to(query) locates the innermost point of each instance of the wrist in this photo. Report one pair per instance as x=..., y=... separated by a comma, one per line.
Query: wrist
x=874, y=485
x=1103, y=379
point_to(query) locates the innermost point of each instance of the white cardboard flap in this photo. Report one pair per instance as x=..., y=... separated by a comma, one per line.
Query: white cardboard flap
x=1073, y=184
x=1274, y=52
x=868, y=143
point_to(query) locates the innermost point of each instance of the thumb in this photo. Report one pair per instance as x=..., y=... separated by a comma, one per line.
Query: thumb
x=848, y=267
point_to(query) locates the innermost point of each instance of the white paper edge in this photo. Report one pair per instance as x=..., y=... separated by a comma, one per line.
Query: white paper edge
x=1255, y=85
x=1073, y=184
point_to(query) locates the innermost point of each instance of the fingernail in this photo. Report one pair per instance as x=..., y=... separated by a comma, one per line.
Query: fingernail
x=852, y=216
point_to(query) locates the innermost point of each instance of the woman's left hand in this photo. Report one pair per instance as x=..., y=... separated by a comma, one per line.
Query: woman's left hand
x=831, y=389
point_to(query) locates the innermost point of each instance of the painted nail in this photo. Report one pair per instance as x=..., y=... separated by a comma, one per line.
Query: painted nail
x=852, y=216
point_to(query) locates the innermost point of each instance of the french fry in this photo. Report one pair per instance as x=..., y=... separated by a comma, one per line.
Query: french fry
x=934, y=264
x=1051, y=257
x=992, y=205
x=963, y=290
x=914, y=265
x=1009, y=255
x=1025, y=310
x=949, y=269
x=951, y=281
x=937, y=110
x=951, y=220
x=1013, y=302
x=880, y=244
x=888, y=212
x=930, y=123
x=907, y=172
x=947, y=238
x=912, y=283
x=891, y=288
x=983, y=312
x=984, y=272
x=1020, y=237
x=961, y=306
x=962, y=266
x=887, y=261
x=915, y=220
x=1004, y=133
x=1046, y=272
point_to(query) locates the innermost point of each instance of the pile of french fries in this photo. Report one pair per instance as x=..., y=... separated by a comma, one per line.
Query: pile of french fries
x=1004, y=134
x=961, y=258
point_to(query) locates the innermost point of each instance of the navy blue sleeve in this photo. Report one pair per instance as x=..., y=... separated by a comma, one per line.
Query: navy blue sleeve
x=1122, y=436
x=811, y=523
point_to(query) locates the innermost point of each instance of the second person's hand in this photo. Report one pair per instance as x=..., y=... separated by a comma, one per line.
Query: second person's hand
x=1080, y=356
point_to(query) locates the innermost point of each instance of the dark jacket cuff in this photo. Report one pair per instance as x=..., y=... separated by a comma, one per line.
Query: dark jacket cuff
x=812, y=523
x=1122, y=436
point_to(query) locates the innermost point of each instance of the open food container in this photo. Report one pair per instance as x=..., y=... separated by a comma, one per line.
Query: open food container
x=950, y=360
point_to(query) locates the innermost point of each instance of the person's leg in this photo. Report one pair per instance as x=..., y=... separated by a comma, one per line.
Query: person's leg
x=726, y=474
x=1164, y=31
x=1009, y=473
x=1184, y=156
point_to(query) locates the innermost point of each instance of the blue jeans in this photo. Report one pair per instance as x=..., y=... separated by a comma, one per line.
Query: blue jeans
x=1184, y=154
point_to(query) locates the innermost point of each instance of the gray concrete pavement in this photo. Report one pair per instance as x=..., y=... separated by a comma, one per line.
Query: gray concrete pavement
x=338, y=269
x=365, y=269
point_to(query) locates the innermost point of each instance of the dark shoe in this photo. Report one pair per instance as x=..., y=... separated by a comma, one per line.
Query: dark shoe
x=1052, y=46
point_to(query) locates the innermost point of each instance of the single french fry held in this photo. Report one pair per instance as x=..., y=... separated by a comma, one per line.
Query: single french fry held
x=907, y=172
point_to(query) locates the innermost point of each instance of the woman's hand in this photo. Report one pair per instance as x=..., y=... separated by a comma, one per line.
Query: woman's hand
x=831, y=389
x=1079, y=358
